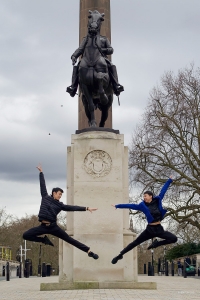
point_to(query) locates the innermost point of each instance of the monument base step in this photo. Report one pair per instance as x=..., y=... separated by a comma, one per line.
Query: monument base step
x=86, y=285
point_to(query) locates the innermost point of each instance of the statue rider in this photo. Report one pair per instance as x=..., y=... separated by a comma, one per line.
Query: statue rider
x=105, y=48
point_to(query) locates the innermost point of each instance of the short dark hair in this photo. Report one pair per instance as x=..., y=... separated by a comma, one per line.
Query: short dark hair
x=57, y=189
x=149, y=193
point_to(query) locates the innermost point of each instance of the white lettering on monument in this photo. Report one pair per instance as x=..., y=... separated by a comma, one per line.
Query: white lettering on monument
x=97, y=163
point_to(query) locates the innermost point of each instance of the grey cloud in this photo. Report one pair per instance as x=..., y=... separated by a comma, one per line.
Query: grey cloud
x=36, y=42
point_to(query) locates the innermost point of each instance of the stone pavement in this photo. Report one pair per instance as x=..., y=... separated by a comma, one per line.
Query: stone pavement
x=169, y=288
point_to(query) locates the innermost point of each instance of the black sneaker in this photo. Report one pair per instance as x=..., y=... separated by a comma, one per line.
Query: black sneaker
x=92, y=254
x=153, y=245
x=115, y=259
x=47, y=241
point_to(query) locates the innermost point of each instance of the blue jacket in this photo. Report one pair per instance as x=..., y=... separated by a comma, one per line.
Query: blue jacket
x=142, y=207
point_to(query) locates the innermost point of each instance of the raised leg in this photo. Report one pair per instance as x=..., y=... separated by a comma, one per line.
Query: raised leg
x=32, y=234
x=57, y=231
x=144, y=236
x=168, y=238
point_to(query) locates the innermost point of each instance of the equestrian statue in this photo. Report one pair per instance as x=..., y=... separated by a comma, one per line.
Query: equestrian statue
x=95, y=74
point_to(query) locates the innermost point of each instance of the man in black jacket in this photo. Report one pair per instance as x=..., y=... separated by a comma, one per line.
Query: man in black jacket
x=49, y=209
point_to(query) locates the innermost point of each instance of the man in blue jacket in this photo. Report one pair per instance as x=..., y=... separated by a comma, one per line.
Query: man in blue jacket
x=49, y=209
x=154, y=212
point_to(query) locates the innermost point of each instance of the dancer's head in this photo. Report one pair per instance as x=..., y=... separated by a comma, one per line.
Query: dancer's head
x=57, y=193
x=148, y=196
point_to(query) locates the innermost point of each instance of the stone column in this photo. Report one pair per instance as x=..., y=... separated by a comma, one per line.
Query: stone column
x=103, y=6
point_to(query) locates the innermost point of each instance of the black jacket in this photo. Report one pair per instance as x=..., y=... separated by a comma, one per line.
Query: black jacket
x=50, y=207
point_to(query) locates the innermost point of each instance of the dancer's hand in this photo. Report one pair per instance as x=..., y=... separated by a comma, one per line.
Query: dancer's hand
x=92, y=209
x=171, y=177
x=39, y=167
x=113, y=206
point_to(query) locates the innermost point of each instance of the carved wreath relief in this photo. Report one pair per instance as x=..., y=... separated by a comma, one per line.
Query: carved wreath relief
x=97, y=163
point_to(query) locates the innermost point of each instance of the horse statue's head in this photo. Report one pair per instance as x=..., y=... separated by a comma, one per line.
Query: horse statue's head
x=94, y=21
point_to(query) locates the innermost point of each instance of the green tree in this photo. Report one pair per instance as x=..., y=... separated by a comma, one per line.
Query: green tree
x=183, y=250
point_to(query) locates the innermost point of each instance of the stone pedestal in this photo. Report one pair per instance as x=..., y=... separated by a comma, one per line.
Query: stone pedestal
x=97, y=176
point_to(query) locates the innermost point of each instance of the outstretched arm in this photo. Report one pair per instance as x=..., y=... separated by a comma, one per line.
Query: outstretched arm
x=66, y=207
x=165, y=187
x=43, y=189
x=128, y=205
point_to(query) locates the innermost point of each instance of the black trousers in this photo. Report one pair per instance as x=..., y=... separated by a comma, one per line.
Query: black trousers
x=152, y=231
x=54, y=229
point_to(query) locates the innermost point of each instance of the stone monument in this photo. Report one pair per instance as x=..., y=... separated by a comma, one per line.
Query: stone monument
x=95, y=74
x=97, y=168
x=103, y=6
x=97, y=176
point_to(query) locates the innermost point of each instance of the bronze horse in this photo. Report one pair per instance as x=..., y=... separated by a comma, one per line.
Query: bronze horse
x=95, y=74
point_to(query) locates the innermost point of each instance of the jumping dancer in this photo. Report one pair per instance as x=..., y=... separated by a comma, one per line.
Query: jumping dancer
x=154, y=212
x=49, y=209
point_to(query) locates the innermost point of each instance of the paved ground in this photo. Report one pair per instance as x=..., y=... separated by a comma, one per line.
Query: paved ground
x=169, y=288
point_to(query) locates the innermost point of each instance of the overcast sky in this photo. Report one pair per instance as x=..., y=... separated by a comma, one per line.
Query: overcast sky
x=37, y=39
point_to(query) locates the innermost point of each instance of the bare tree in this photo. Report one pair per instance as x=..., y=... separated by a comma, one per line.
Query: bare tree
x=187, y=234
x=5, y=220
x=168, y=142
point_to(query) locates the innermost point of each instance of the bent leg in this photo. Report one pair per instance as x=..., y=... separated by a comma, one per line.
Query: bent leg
x=57, y=231
x=168, y=238
x=117, y=88
x=32, y=234
x=144, y=236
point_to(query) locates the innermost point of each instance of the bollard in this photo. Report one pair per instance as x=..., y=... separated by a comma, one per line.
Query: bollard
x=31, y=270
x=20, y=270
x=152, y=270
x=172, y=268
x=184, y=269
x=4, y=271
x=44, y=270
x=27, y=269
x=17, y=271
x=149, y=269
x=7, y=271
x=145, y=269
x=48, y=269
x=198, y=271
x=39, y=271
x=159, y=265
x=166, y=268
